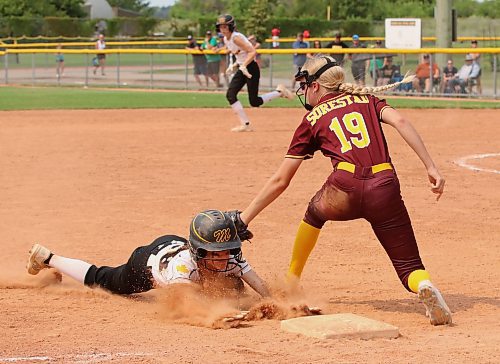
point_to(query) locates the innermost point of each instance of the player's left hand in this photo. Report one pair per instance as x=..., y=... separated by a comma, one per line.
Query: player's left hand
x=437, y=182
x=240, y=316
x=244, y=70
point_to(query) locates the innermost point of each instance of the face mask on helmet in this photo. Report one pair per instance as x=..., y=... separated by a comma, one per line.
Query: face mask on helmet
x=309, y=79
x=222, y=261
x=213, y=241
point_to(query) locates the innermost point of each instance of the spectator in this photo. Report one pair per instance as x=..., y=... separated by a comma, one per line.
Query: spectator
x=213, y=60
x=256, y=45
x=299, y=58
x=101, y=57
x=379, y=62
x=337, y=43
x=199, y=61
x=59, y=62
x=316, y=45
x=467, y=73
x=359, y=60
x=449, y=73
x=275, y=36
x=387, y=72
x=475, y=58
x=423, y=74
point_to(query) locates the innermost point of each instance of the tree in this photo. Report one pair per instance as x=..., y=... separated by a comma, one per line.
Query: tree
x=30, y=8
x=258, y=17
x=134, y=5
x=191, y=9
x=71, y=8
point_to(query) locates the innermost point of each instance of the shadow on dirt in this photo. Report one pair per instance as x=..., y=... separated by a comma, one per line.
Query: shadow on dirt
x=456, y=302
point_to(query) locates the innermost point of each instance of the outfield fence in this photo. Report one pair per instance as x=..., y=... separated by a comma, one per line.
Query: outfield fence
x=149, y=67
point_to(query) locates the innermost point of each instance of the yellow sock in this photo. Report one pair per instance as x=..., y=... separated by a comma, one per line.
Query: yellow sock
x=305, y=240
x=416, y=277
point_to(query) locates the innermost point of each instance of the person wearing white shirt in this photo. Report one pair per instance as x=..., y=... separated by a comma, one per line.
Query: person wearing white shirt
x=469, y=71
x=212, y=253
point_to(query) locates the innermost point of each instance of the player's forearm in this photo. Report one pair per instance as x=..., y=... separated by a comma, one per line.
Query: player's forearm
x=250, y=57
x=257, y=283
x=271, y=191
x=413, y=139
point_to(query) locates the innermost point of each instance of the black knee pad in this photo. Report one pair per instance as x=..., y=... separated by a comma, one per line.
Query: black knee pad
x=256, y=101
x=231, y=97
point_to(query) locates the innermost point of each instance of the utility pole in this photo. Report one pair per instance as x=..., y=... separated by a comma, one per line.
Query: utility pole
x=442, y=16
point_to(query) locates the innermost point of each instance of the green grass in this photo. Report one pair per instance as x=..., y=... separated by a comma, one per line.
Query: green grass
x=27, y=98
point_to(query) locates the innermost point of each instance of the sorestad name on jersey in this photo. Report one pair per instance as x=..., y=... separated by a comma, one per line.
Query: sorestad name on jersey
x=338, y=103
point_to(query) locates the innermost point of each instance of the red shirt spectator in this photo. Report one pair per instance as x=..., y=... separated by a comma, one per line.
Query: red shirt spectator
x=275, y=32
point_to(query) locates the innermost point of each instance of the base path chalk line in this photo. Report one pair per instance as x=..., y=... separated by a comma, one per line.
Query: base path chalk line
x=73, y=358
x=463, y=162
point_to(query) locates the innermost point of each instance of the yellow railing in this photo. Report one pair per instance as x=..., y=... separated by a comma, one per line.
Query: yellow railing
x=184, y=42
x=92, y=44
x=490, y=50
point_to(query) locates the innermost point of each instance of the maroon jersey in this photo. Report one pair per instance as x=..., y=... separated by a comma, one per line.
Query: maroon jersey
x=344, y=127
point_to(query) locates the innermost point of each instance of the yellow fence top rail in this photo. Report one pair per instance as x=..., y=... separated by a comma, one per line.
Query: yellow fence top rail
x=262, y=51
x=91, y=43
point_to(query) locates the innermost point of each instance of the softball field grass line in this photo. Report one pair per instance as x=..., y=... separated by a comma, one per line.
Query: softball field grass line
x=50, y=98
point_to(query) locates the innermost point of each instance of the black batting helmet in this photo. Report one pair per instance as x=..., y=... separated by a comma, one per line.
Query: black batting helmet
x=225, y=19
x=213, y=231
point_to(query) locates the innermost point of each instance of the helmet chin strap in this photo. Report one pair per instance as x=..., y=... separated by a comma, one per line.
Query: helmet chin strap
x=306, y=105
x=309, y=79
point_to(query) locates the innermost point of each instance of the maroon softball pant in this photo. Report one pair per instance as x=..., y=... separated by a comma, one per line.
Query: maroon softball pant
x=376, y=198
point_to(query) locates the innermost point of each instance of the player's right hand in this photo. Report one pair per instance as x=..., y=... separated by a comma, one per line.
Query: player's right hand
x=241, y=227
x=232, y=69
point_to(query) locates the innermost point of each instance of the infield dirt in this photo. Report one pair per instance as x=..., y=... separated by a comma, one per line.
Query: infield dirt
x=96, y=184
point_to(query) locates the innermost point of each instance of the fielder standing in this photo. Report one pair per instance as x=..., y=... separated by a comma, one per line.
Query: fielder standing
x=344, y=122
x=248, y=72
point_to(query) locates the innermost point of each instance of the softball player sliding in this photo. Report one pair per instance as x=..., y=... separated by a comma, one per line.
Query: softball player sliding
x=344, y=123
x=248, y=72
x=213, y=251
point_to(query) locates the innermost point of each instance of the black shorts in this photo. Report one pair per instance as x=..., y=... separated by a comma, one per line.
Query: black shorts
x=101, y=56
x=132, y=277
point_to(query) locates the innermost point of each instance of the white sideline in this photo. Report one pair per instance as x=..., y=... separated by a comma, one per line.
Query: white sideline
x=463, y=162
x=74, y=358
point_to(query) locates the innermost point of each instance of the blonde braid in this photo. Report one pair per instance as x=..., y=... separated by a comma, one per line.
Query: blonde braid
x=333, y=78
x=357, y=90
